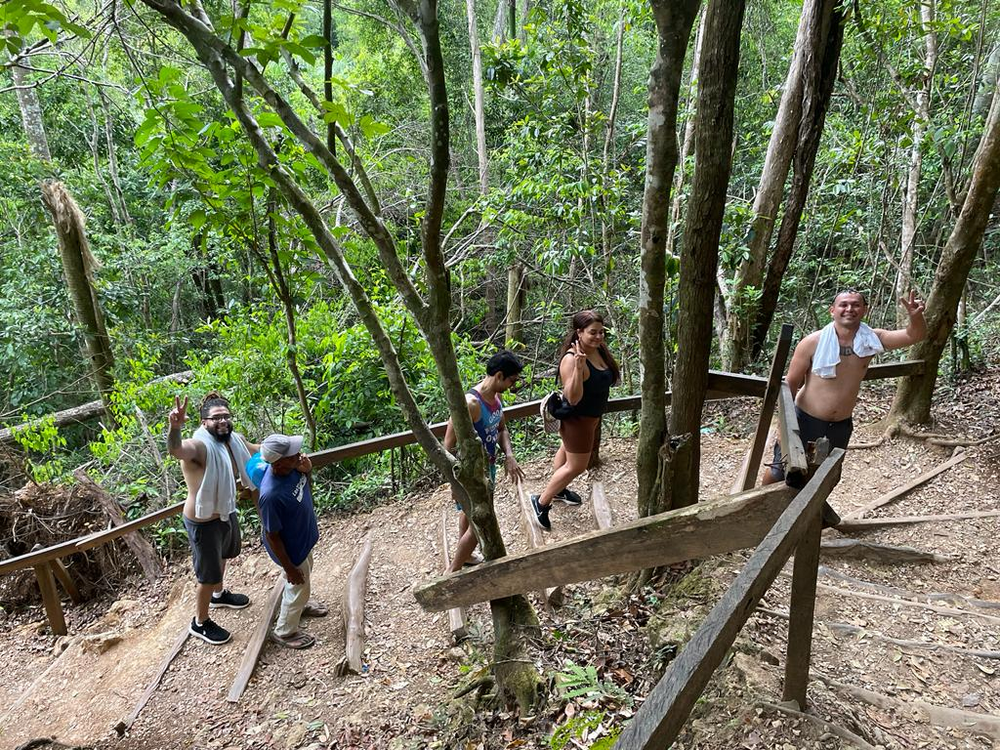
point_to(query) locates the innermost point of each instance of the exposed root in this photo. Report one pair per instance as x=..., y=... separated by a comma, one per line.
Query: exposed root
x=844, y=734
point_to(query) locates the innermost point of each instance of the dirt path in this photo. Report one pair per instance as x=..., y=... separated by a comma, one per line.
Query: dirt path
x=404, y=699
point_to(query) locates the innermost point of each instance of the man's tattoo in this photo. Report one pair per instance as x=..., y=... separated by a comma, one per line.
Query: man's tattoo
x=173, y=439
x=846, y=351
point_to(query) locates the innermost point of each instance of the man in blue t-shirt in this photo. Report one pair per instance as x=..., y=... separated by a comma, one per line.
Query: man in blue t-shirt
x=289, y=533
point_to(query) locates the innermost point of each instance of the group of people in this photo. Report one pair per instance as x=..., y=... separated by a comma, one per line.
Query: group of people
x=220, y=466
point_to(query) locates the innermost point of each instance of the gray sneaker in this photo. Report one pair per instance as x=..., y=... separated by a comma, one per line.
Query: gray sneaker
x=209, y=632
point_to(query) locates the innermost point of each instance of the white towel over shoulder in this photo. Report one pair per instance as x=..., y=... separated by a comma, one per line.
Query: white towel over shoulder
x=827, y=355
x=217, y=493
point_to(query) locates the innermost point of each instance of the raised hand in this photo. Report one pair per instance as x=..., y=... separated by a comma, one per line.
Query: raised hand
x=913, y=304
x=178, y=415
x=577, y=351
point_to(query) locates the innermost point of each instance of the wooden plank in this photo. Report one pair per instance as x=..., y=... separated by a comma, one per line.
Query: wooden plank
x=257, y=641
x=801, y=611
x=551, y=595
x=458, y=621
x=897, y=493
x=659, y=720
x=50, y=598
x=792, y=449
x=66, y=581
x=125, y=724
x=354, y=612
x=752, y=465
x=707, y=528
x=862, y=524
x=895, y=370
x=599, y=505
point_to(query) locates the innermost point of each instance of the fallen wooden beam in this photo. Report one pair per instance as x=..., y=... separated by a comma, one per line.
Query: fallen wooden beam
x=885, y=553
x=125, y=724
x=257, y=641
x=793, y=452
x=897, y=493
x=875, y=523
x=666, y=708
x=707, y=528
x=552, y=596
x=751, y=465
x=457, y=619
x=354, y=612
x=599, y=505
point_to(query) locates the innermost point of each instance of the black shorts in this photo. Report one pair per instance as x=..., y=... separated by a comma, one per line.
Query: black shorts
x=812, y=429
x=211, y=543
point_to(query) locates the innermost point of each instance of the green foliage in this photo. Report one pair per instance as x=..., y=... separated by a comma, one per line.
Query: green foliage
x=44, y=448
x=578, y=728
x=574, y=681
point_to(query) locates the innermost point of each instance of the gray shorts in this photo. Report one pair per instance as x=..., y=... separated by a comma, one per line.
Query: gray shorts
x=211, y=543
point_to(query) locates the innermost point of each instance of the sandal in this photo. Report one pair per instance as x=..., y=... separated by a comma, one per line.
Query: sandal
x=315, y=608
x=296, y=640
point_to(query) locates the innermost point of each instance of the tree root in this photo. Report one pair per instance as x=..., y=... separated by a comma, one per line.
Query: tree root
x=843, y=733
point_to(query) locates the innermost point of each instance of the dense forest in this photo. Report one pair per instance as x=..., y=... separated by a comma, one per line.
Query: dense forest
x=334, y=212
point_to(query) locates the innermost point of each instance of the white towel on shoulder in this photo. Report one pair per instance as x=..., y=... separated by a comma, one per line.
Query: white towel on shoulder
x=217, y=494
x=827, y=354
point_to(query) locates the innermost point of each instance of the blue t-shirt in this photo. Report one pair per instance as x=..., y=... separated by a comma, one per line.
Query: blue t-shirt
x=286, y=508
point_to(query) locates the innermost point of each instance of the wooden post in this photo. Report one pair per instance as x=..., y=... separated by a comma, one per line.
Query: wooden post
x=792, y=449
x=354, y=612
x=599, y=505
x=66, y=580
x=752, y=465
x=50, y=598
x=803, y=605
x=457, y=620
x=257, y=641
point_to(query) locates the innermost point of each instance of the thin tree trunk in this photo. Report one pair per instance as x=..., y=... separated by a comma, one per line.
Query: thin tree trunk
x=109, y=137
x=31, y=112
x=673, y=24
x=780, y=149
x=912, y=403
x=515, y=306
x=479, y=97
x=702, y=229
x=78, y=267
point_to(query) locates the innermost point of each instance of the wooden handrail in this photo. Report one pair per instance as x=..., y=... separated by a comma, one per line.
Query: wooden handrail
x=721, y=385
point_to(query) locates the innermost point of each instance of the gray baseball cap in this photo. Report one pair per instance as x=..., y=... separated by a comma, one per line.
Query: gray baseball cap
x=276, y=447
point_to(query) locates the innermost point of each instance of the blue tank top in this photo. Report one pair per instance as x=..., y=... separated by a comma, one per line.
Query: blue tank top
x=488, y=424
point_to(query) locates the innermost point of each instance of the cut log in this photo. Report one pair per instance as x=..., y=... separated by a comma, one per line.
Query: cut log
x=457, y=619
x=857, y=549
x=666, y=708
x=599, y=505
x=140, y=546
x=257, y=641
x=552, y=596
x=751, y=465
x=354, y=612
x=50, y=598
x=708, y=528
x=875, y=523
x=899, y=492
x=792, y=449
x=125, y=724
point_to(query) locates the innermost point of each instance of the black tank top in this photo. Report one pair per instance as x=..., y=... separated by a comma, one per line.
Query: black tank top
x=596, y=390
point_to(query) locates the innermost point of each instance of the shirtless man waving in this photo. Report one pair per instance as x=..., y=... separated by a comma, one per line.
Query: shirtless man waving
x=828, y=366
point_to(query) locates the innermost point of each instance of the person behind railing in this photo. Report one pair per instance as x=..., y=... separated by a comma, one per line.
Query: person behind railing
x=587, y=371
x=289, y=531
x=828, y=366
x=213, y=462
x=486, y=410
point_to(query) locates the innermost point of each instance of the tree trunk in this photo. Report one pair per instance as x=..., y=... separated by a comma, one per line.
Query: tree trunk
x=78, y=267
x=702, y=229
x=673, y=24
x=912, y=403
x=819, y=75
x=31, y=112
x=477, y=86
x=750, y=274
x=515, y=306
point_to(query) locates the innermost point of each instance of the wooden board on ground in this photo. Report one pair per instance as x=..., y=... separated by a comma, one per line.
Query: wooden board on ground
x=257, y=641
x=552, y=596
x=125, y=724
x=719, y=525
x=599, y=505
x=958, y=457
x=457, y=619
x=663, y=713
x=874, y=523
x=354, y=612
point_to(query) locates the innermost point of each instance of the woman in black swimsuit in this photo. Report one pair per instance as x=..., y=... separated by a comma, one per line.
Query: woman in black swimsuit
x=587, y=371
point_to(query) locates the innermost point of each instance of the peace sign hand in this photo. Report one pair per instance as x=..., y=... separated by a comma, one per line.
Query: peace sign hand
x=577, y=351
x=178, y=415
x=913, y=305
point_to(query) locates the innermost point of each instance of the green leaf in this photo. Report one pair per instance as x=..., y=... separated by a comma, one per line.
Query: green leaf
x=371, y=127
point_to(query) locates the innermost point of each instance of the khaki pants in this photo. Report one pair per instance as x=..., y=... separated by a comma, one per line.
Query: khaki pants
x=293, y=601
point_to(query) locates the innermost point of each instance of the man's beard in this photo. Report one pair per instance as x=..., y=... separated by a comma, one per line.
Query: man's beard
x=224, y=438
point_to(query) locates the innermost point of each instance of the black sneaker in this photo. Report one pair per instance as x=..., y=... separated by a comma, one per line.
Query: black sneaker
x=228, y=599
x=209, y=632
x=541, y=513
x=569, y=497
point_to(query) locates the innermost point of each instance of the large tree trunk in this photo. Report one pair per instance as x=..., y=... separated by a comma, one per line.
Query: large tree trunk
x=78, y=267
x=515, y=305
x=750, y=274
x=912, y=403
x=819, y=75
x=700, y=253
x=673, y=23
